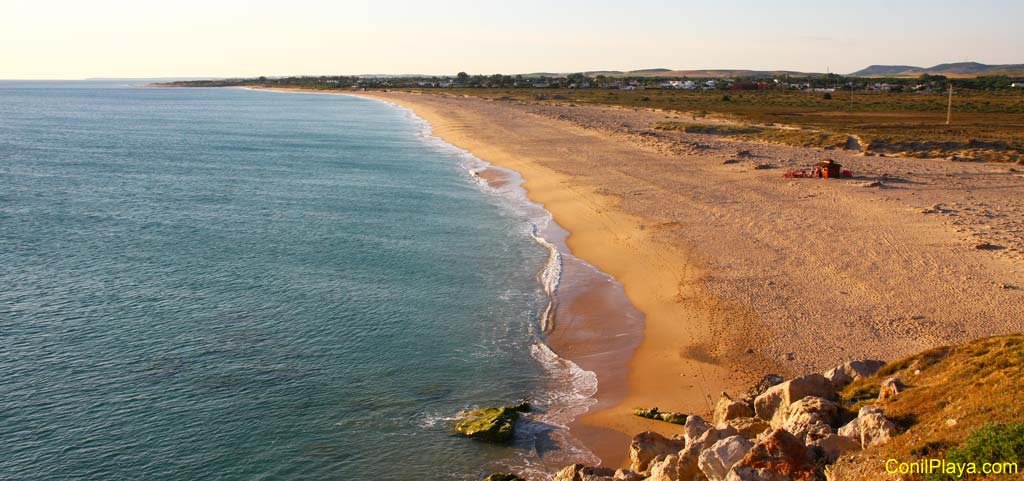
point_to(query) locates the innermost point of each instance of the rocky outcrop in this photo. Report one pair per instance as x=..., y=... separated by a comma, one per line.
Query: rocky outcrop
x=716, y=461
x=490, y=424
x=749, y=428
x=778, y=397
x=842, y=376
x=648, y=445
x=664, y=468
x=870, y=428
x=758, y=389
x=627, y=475
x=781, y=431
x=832, y=446
x=694, y=428
x=780, y=456
x=809, y=416
x=890, y=388
x=579, y=472
x=728, y=409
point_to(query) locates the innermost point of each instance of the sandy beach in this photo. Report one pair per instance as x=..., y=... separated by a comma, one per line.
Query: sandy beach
x=737, y=270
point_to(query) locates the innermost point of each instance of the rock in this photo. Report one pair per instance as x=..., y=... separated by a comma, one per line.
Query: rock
x=750, y=427
x=712, y=436
x=763, y=166
x=649, y=445
x=655, y=414
x=731, y=161
x=687, y=467
x=522, y=407
x=806, y=416
x=842, y=376
x=694, y=428
x=579, y=472
x=766, y=382
x=871, y=428
x=627, y=475
x=503, y=477
x=875, y=430
x=780, y=456
x=716, y=461
x=833, y=446
x=782, y=395
x=890, y=388
x=851, y=430
x=664, y=469
x=728, y=409
x=490, y=424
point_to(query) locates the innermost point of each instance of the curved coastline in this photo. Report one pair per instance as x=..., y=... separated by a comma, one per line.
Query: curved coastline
x=568, y=282
x=636, y=359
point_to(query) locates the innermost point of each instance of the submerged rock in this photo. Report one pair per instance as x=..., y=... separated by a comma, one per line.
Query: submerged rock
x=503, y=477
x=491, y=424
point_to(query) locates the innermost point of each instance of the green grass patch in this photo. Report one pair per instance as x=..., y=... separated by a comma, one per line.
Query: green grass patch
x=993, y=443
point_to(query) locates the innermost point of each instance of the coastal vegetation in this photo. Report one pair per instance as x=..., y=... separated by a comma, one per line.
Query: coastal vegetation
x=986, y=125
x=957, y=403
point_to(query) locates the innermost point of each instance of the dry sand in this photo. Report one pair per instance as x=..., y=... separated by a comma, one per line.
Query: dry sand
x=739, y=271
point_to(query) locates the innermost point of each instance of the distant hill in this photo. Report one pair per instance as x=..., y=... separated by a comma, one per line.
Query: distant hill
x=960, y=69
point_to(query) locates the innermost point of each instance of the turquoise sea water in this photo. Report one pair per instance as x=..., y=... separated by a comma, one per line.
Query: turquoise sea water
x=229, y=284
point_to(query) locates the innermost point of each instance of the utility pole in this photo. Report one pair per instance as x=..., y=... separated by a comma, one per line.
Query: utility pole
x=949, y=110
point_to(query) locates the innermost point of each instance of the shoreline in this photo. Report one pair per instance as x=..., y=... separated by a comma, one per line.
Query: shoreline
x=660, y=282
x=737, y=271
x=624, y=365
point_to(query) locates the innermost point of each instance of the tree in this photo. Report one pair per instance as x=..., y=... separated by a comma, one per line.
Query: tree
x=462, y=77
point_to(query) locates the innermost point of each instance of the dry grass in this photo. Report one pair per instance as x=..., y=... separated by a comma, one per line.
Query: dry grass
x=986, y=125
x=952, y=392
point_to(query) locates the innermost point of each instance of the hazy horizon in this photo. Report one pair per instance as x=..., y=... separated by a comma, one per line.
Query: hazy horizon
x=131, y=40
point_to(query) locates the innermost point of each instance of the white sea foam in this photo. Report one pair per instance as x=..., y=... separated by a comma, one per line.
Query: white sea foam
x=571, y=388
x=550, y=276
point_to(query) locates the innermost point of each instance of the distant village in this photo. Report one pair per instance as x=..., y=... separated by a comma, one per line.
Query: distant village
x=824, y=83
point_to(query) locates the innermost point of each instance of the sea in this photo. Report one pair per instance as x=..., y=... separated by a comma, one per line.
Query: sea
x=248, y=285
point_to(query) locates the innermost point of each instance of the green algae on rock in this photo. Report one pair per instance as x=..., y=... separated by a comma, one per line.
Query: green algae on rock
x=491, y=424
x=503, y=477
x=655, y=414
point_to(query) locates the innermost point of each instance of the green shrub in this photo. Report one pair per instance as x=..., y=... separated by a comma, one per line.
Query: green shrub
x=993, y=443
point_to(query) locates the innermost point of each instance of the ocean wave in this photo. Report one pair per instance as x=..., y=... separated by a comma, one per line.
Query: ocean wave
x=549, y=276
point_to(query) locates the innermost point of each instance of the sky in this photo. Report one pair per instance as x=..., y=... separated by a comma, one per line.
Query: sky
x=69, y=39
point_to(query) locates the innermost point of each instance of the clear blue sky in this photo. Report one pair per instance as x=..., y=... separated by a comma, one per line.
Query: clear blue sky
x=122, y=38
